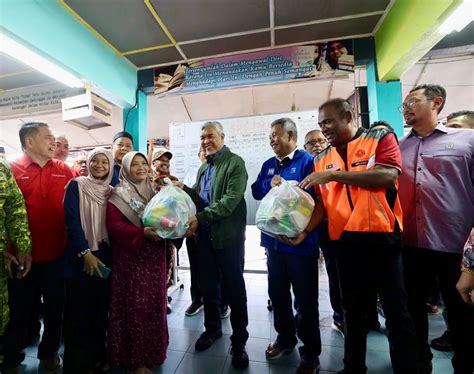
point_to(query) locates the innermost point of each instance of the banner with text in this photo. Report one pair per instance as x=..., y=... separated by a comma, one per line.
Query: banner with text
x=35, y=99
x=300, y=62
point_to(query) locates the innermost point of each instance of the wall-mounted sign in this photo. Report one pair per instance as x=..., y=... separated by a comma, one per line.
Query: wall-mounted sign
x=36, y=99
x=300, y=62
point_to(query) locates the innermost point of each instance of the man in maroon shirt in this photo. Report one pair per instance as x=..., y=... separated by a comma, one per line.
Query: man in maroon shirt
x=42, y=181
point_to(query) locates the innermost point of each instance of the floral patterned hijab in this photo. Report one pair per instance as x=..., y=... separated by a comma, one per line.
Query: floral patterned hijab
x=131, y=196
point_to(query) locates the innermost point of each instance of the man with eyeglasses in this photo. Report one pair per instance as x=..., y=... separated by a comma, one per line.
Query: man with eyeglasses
x=315, y=142
x=437, y=197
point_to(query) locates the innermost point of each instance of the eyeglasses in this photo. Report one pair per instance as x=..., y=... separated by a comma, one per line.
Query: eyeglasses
x=312, y=143
x=410, y=104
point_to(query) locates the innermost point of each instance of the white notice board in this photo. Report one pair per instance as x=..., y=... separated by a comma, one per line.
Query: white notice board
x=245, y=136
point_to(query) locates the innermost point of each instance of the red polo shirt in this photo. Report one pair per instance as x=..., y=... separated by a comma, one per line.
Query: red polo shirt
x=43, y=191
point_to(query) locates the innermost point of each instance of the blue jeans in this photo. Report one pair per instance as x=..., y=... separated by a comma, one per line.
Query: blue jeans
x=286, y=271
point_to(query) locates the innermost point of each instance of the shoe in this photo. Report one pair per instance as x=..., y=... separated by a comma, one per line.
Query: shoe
x=52, y=365
x=240, y=358
x=443, y=343
x=374, y=326
x=169, y=309
x=225, y=312
x=194, y=309
x=205, y=341
x=432, y=309
x=307, y=367
x=275, y=350
x=339, y=327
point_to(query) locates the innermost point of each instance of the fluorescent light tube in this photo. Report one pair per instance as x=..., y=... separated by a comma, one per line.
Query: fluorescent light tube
x=459, y=19
x=26, y=56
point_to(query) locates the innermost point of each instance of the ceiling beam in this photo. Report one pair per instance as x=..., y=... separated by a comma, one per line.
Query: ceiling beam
x=328, y=20
x=272, y=21
x=270, y=29
x=357, y=36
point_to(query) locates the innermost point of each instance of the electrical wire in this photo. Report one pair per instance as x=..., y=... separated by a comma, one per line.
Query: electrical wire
x=135, y=106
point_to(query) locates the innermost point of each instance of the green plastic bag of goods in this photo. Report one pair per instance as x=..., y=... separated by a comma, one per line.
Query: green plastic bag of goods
x=285, y=210
x=169, y=210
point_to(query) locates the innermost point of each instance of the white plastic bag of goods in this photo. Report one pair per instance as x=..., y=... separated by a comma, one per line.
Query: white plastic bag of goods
x=285, y=210
x=169, y=210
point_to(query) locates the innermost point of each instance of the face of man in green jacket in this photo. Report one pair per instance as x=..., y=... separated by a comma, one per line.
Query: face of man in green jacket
x=212, y=140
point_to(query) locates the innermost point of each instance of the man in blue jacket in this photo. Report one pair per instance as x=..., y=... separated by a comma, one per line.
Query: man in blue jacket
x=291, y=266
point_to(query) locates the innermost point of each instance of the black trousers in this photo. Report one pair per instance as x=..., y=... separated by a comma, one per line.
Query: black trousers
x=193, y=255
x=329, y=253
x=362, y=268
x=85, y=323
x=286, y=271
x=328, y=248
x=420, y=265
x=44, y=280
x=224, y=265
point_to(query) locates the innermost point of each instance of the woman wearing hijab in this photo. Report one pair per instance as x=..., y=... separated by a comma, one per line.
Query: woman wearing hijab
x=138, y=332
x=87, y=260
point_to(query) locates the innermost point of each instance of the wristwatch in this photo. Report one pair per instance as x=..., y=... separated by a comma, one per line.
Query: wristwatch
x=83, y=253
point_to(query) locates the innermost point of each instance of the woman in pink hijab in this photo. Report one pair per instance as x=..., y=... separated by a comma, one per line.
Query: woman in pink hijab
x=138, y=332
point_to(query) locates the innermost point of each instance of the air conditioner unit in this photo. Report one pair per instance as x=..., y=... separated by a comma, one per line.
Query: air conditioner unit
x=88, y=111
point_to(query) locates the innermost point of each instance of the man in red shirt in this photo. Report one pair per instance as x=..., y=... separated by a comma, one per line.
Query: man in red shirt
x=42, y=181
x=356, y=177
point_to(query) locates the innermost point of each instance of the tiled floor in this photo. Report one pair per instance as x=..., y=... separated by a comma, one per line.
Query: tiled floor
x=184, y=331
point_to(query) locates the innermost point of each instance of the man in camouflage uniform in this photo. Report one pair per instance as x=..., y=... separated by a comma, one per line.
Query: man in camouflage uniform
x=14, y=227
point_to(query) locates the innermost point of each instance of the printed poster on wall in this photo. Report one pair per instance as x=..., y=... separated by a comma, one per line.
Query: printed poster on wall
x=300, y=62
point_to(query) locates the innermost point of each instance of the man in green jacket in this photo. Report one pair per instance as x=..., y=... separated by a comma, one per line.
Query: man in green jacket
x=14, y=227
x=220, y=229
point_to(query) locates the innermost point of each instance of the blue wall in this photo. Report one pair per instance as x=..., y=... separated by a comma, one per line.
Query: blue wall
x=384, y=97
